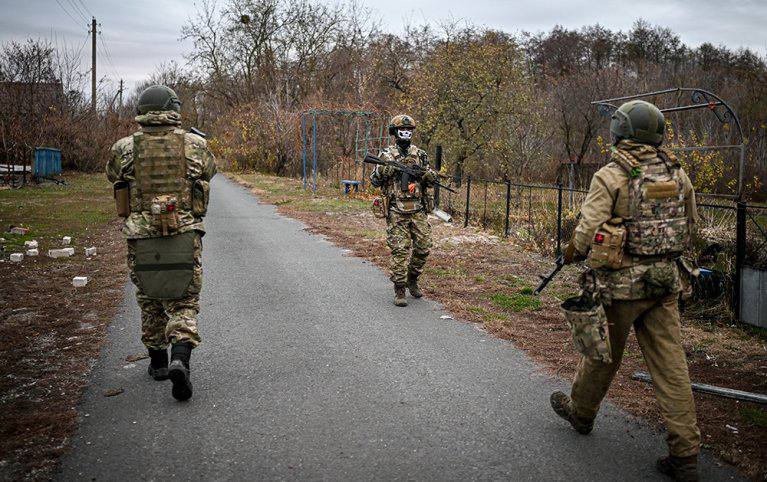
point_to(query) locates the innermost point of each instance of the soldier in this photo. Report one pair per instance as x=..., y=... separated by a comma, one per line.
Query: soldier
x=161, y=177
x=407, y=202
x=635, y=223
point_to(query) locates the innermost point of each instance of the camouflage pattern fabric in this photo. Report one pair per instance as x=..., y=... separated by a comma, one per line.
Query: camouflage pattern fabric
x=406, y=231
x=657, y=222
x=169, y=321
x=402, y=201
x=658, y=331
x=200, y=165
x=608, y=198
x=587, y=321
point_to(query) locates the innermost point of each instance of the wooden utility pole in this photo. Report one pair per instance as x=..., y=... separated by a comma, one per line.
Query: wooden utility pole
x=120, y=94
x=93, y=65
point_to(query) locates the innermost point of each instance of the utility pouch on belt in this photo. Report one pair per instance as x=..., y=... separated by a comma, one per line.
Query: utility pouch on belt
x=379, y=208
x=587, y=321
x=165, y=266
x=428, y=202
x=165, y=214
x=122, y=198
x=608, y=245
x=200, y=197
x=660, y=280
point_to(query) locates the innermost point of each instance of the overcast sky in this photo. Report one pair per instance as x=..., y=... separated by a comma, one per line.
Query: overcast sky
x=140, y=34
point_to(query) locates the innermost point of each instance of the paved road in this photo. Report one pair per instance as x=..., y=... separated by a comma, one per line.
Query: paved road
x=308, y=371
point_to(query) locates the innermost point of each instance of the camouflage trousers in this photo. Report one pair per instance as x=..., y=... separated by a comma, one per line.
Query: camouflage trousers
x=658, y=331
x=406, y=231
x=169, y=321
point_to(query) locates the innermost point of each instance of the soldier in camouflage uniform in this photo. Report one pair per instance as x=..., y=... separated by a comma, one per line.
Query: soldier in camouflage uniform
x=407, y=202
x=164, y=172
x=645, y=199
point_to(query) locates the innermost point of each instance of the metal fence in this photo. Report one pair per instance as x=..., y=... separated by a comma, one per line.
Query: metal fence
x=731, y=236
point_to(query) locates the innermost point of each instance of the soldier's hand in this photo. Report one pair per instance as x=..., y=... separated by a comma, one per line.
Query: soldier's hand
x=429, y=177
x=571, y=254
x=387, y=171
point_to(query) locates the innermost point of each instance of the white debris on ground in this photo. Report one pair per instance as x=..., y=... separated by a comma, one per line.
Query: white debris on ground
x=31, y=244
x=66, y=240
x=17, y=257
x=734, y=429
x=79, y=281
x=19, y=230
x=61, y=253
x=90, y=251
x=33, y=252
x=478, y=238
x=445, y=317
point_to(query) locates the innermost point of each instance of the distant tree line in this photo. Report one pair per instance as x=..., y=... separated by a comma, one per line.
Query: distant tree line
x=501, y=105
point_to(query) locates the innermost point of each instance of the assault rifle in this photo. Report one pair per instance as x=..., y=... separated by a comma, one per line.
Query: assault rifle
x=414, y=172
x=545, y=280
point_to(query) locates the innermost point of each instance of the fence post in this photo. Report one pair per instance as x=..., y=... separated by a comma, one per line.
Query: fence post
x=468, y=200
x=437, y=167
x=740, y=255
x=508, y=208
x=559, y=219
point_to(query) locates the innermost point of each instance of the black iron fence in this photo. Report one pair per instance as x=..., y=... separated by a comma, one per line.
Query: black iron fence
x=730, y=236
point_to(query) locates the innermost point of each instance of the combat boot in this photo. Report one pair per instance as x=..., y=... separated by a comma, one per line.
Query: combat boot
x=563, y=407
x=158, y=364
x=399, y=294
x=412, y=286
x=178, y=371
x=684, y=469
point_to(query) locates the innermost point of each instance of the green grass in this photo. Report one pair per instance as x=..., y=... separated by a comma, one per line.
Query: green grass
x=754, y=416
x=52, y=211
x=517, y=302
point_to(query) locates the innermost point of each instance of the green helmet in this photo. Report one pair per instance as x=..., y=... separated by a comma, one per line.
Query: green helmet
x=158, y=98
x=639, y=121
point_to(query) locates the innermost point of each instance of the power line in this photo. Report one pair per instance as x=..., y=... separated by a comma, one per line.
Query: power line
x=69, y=14
x=77, y=10
x=86, y=8
x=108, y=54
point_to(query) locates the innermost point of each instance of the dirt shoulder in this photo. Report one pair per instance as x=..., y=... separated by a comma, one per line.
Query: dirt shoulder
x=50, y=331
x=485, y=279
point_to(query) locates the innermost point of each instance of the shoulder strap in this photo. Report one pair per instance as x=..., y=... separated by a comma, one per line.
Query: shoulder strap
x=626, y=161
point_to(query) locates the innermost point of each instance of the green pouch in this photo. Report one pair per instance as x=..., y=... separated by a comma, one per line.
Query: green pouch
x=165, y=266
x=659, y=281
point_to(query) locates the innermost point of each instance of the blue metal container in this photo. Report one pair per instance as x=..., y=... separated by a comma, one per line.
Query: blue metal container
x=47, y=162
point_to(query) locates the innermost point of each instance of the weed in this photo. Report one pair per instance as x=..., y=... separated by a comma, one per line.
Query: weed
x=754, y=416
x=516, y=302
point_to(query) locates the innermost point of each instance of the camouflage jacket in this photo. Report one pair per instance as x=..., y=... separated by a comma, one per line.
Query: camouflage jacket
x=607, y=199
x=402, y=201
x=200, y=165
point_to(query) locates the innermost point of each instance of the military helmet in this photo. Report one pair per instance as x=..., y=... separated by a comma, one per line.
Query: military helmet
x=639, y=121
x=158, y=98
x=401, y=121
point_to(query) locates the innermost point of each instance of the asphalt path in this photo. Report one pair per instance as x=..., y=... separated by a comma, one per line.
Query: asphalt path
x=308, y=371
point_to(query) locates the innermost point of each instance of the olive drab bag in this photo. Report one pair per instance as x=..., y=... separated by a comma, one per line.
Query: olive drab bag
x=657, y=222
x=165, y=266
x=587, y=321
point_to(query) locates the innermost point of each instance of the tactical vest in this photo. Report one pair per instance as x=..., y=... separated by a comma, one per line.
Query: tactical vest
x=403, y=193
x=657, y=224
x=160, y=169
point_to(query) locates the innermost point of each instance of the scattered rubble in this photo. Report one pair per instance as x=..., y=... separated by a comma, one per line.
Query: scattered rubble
x=33, y=252
x=479, y=238
x=79, y=281
x=31, y=244
x=61, y=253
x=90, y=251
x=66, y=240
x=18, y=230
x=17, y=257
x=113, y=392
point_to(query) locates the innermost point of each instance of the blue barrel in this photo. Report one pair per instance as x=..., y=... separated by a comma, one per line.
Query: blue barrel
x=47, y=162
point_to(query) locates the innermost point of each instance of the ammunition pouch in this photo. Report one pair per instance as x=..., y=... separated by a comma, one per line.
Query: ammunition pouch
x=660, y=280
x=200, y=197
x=122, y=198
x=587, y=321
x=165, y=266
x=607, y=247
x=428, y=202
